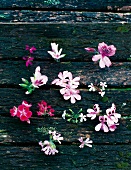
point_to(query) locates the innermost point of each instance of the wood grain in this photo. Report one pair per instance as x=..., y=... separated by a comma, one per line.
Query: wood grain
x=95, y=5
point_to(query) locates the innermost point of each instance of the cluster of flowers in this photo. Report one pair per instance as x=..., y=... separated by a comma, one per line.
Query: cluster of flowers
x=104, y=51
x=108, y=122
x=101, y=89
x=36, y=81
x=69, y=85
x=48, y=146
x=24, y=113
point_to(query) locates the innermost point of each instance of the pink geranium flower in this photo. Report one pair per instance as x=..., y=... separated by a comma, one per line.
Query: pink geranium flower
x=38, y=79
x=23, y=111
x=55, y=53
x=105, y=51
x=102, y=125
x=93, y=112
x=45, y=109
x=56, y=136
x=73, y=95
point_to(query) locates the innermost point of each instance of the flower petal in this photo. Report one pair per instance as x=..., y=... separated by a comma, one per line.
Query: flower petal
x=96, y=57
x=107, y=61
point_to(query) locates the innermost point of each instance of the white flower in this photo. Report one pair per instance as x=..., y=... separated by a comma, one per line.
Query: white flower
x=103, y=85
x=87, y=142
x=55, y=53
x=92, y=88
x=102, y=93
x=82, y=117
x=64, y=114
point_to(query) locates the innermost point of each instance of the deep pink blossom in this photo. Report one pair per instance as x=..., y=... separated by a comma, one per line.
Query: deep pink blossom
x=90, y=49
x=28, y=60
x=105, y=51
x=45, y=109
x=23, y=111
x=30, y=49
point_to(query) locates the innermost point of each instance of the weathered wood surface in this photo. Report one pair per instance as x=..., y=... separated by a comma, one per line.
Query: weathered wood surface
x=118, y=75
x=62, y=16
x=73, y=158
x=74, y=25
x=95, y=5
x=73, y=38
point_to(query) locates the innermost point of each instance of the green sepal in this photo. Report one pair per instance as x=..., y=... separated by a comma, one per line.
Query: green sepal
x=25, y=81
x=24, y=85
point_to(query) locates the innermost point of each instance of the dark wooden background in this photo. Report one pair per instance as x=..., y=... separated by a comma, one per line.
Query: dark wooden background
x=74, y=25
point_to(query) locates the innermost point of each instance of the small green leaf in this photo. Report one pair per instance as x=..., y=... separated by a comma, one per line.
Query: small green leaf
x=104, y=99
x=23, y=85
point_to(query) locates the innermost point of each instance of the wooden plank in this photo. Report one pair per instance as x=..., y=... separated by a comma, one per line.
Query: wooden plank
x=73, y=38
x=70, y=157
x=118, y=75
x=12, y=96
x=99, y=5
x=62, y=16
x=11, y=128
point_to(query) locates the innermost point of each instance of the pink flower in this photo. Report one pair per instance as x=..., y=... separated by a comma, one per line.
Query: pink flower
x=102, y=125
x=30, y=49
x=13, y=111
x=55, y=53
x=23, y=111
x=87, y=142
x=38, y=79
x=73, y=82
x=49, y=149
x=63, y=79
x=73, y=95
x=93, y=112
x=56, y=136
x=105, y=51
x=90, y=49
x=28, y=60
x=45, y=109
x=113, y=127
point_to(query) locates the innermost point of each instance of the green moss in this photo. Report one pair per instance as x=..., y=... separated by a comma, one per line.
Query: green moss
x=122, y=165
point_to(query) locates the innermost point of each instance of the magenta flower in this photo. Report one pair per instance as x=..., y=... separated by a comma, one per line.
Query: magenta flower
x=55, y=53
x=38, y=79
x=93, y=112
x=45, y=109
x=28, y=60
x=23, y=111
x=30, y=49
x=86, y=142
x=90, y=49
x=102, y=125
x=105, y=51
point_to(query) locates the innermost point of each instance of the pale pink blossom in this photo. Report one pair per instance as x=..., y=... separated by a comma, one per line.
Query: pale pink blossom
x=38, y=79
x=113, y=127
x=56, y=136
x=105, y=51
x=55, y=53
x=48, y=147
x=102, y=125
x=93, y=112
x=73, y=82
x=73, y=95
x=86, y=142
x=63, y=79
x=82, y=117
x=13, y=111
